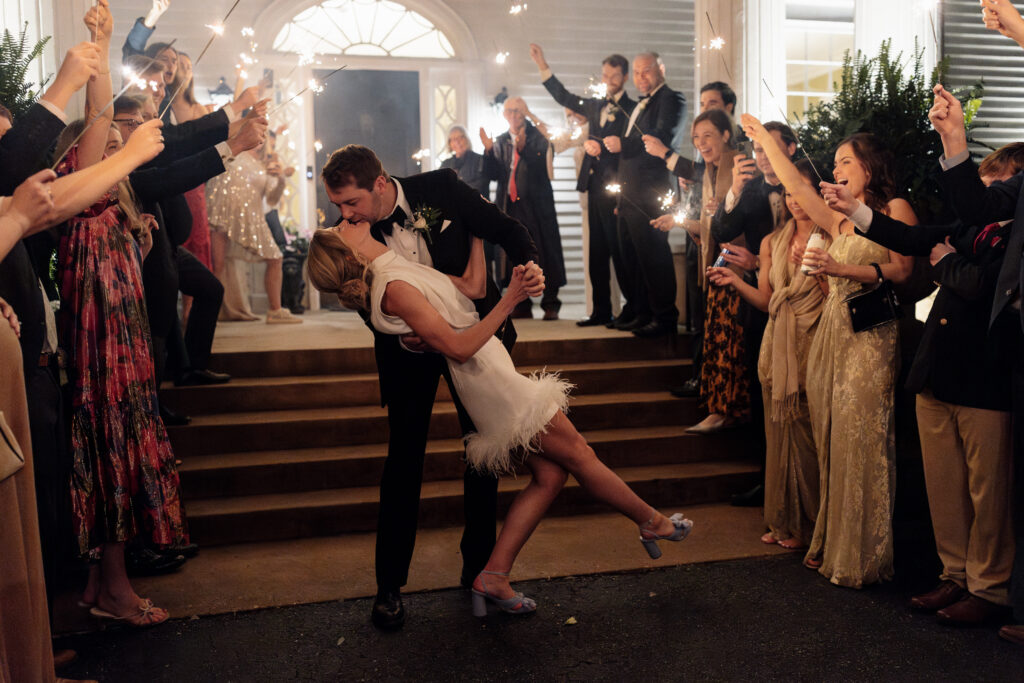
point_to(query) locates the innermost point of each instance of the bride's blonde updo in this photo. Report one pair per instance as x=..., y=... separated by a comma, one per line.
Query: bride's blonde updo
x=335, y=269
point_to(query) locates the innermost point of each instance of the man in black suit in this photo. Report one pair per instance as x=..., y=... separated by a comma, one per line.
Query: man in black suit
x=606, y=116
x=22, y=151
x=649, y=279
x=357, y=184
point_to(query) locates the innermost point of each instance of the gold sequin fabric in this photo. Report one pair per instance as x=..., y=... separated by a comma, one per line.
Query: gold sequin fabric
x=234, y=200
x=850, y=381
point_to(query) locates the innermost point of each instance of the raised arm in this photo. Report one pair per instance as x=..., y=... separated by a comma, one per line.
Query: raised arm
x=99, y=91
x=805, y=195
x=408, y=303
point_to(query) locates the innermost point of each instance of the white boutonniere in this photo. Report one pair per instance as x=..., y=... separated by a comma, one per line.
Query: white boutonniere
x=423, y=218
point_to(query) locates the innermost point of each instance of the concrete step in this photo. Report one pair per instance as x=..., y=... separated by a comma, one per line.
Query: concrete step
x=314, y=391
x=296, y=470
x=552, y=352
x=367, y=424
x=280, y=516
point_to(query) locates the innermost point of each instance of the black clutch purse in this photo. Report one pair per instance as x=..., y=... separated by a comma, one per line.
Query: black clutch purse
x=873, y=306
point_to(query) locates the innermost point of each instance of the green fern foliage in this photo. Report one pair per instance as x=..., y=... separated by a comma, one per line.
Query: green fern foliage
x=890, y=97
x=16, y=55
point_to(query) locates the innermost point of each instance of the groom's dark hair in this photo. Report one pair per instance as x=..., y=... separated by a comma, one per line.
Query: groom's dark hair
x=352, y=164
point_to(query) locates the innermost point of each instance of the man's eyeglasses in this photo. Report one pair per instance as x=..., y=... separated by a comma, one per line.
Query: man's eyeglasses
x=130, y=124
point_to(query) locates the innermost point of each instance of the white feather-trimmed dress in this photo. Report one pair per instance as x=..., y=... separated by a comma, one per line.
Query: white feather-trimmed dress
x=509, y=411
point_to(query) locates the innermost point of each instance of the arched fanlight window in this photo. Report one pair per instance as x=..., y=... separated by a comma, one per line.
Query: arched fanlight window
x=363, y=27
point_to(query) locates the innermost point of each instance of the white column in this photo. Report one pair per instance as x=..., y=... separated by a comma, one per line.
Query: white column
x=764, y=58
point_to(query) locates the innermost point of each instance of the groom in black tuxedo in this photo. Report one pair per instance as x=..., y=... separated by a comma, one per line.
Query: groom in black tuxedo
x=452, y=214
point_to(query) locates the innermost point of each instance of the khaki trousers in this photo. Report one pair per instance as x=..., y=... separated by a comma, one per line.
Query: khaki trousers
x=968, y=470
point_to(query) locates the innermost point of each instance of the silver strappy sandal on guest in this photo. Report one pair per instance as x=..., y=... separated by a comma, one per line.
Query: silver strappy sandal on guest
x=650, y=539
x=517, y=604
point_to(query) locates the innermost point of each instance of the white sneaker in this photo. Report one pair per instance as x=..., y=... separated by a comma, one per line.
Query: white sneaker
x=282, y=316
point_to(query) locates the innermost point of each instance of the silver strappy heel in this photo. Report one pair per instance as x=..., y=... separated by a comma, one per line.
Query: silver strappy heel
x=517, y=604
x=650, y=539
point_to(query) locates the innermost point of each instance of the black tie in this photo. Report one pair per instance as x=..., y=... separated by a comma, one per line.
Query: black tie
x=642, y=98
x=386, y=225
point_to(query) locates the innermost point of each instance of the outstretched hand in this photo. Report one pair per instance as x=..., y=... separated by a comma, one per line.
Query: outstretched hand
x=31, y=204
x=946, y=114
x=664, y=222
x=537, y=55
x=754, y=129
x=516, y=291
x=839, y=198
x=654, y=146
x=1002, y=16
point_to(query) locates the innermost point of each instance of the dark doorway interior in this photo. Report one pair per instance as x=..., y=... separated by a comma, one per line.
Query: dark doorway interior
x=379, y=109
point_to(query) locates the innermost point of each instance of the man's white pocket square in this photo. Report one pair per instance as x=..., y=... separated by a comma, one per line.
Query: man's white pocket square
x=444, y=226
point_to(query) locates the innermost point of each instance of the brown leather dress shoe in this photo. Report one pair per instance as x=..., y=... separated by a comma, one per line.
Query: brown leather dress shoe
x=1013, y=633
x=945, y=595
x=972, y=611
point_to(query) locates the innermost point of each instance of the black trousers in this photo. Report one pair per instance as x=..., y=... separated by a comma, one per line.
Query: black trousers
x=603, y=249
x=696, y=299
x=160, y=280
x=196, y=280
x=647, y=260
x=51, y=468
x=1016, y=343
x=409, y=383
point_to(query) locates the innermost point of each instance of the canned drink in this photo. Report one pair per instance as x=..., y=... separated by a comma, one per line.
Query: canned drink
x=720, y=262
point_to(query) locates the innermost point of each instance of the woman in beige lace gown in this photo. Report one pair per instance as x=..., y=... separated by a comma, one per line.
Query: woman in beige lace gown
x=793, y=302
x=239, y=232
x=851, y=376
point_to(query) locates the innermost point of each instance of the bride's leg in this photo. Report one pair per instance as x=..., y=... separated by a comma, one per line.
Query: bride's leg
x=525, y=513
x=566, y=447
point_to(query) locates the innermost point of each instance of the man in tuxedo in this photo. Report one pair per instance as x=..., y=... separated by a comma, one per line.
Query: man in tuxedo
x=649, y=278
x=357, y=184
x=605, y=116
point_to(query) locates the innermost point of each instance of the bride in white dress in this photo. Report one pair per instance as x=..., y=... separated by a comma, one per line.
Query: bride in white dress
x=513, y=415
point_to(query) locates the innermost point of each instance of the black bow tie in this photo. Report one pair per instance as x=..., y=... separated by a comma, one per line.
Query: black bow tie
x=643, y=97
x=387, y=224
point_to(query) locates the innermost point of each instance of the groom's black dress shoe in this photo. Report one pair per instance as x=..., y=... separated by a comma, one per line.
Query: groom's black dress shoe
x=388, y=613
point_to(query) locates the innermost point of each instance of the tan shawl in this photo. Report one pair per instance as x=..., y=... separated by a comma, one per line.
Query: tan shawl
x=716, y=184
x=794, y=308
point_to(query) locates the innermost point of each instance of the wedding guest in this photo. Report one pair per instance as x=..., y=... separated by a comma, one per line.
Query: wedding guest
x=605, y=116
x=724, y=379
x=519, y=160
x=753, y=208
x=466, y=163
x=793, y=301
x=649, y=277
x=963, y=402
x=516, y=419
x=124, y=483
x=850, y=375
x=358, y=185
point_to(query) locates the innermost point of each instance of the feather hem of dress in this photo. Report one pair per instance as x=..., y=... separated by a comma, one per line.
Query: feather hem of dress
x=493, y=453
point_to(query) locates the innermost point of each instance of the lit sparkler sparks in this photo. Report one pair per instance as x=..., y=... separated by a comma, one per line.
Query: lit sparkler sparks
x=717, y=43
x=501, y=57
x=598, y=90
x=248, y=32
x=668, y=201
x=616, y=188
x=316, y=86
x=517, y=8
x=420, y=155
x=318, y=146
x=218, y=29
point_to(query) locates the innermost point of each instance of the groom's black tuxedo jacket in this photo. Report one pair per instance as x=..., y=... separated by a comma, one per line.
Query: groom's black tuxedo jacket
x=470, y=215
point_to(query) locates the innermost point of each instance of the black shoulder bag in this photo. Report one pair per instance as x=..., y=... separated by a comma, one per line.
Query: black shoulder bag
x=873, y=305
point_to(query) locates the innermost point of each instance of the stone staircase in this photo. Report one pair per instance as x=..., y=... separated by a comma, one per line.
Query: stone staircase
x=293, y=447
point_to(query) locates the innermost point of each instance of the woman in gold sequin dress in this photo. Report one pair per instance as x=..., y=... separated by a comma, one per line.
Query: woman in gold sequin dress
x=239, y=231
x=850, y=375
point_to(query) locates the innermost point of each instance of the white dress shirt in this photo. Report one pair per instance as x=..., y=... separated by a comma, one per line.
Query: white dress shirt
x=408, y=244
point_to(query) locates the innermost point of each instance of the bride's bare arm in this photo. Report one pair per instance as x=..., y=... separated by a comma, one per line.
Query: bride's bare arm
x=473, y=283
x=408, y=303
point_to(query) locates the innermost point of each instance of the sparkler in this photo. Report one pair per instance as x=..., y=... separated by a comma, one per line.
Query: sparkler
x=216, y=30
x=598, y=90
x=616, y=188
x=501, y=57
x=668, y=201
x=420, y=155
x=786, y=119
x=131, y=79
x=318, y=146
x=517, y=8
x=717, y=43
x=316, y=86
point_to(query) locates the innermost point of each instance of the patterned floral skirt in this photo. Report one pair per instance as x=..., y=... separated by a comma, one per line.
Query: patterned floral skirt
x=724, y=382
x=124, y=482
